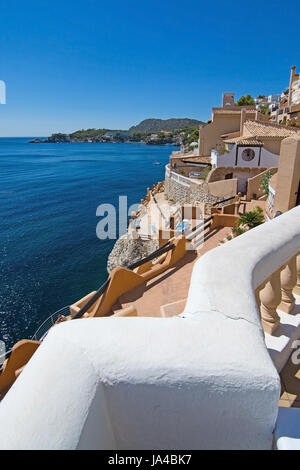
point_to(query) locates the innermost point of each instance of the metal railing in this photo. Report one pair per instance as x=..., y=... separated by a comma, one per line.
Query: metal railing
x=92, y=300
x=155, y=254
x=48, y=323
x=43, y=329
x=168, y=246
x=198, y=229
x=3, y=357
x=224, y=200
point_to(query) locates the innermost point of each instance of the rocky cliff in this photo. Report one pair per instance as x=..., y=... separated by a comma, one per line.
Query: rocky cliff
x=126, y=251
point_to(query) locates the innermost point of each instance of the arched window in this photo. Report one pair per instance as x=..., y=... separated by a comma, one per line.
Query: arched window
x=248, y=155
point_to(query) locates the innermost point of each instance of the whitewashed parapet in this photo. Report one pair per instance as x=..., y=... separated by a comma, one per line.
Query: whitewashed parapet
x=203, y=380
x=138, y=383
x=184, y=180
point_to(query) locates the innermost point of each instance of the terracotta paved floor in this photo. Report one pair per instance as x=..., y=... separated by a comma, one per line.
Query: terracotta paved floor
x=172, y=285
x=247, y=206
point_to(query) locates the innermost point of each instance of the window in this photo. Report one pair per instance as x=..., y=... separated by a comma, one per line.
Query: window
x=248, y=155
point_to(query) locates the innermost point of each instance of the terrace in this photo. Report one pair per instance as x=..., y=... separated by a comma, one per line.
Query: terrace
x=207, y=378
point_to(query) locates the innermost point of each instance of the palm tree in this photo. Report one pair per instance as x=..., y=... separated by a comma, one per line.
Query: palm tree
x=252, y=218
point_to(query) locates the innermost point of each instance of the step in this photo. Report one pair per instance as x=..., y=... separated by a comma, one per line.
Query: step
x=172, y=309
x=129, y=311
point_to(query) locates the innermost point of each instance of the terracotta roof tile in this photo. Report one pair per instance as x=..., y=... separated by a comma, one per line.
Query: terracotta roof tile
x=197, y=160
x=260, y=129
x=245, y=141
x=232, y=111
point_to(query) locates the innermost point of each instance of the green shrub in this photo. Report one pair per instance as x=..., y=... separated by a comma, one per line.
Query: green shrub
x=252, y=218
x=264, y=182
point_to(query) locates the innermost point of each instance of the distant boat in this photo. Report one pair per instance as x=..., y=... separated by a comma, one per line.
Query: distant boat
x=157, y=163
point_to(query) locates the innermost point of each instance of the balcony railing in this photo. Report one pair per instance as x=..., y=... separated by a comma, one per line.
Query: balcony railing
x=183, y=180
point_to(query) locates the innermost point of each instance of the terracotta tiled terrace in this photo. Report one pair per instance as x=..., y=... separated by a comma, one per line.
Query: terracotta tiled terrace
x=166, y=294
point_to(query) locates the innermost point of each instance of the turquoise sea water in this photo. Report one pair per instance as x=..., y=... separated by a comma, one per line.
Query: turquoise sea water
x=50, y=255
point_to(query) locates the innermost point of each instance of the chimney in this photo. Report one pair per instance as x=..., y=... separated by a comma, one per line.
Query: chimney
x=292, y=77
x=243, y=119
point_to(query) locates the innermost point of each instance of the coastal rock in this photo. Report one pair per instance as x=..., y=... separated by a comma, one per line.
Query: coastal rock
x=37, y=141
x=126, y=251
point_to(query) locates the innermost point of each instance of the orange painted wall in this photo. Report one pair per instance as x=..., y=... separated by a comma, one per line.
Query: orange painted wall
x=22, y=351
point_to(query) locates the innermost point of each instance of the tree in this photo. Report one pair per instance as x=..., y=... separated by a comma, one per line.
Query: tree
x=246, y=101
x=264, y=109
x=251, y=219
x=193, y=136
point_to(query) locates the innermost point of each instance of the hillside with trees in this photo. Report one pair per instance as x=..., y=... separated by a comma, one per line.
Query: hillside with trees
x=156, y=125
x=170, y=131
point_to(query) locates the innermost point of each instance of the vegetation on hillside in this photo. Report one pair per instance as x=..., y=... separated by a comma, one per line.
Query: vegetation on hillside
x=184, y=135
x=245, y=101
x=193, y=134
x=156, y=125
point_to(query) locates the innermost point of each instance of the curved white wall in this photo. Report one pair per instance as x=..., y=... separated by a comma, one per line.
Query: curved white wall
x=144, y=383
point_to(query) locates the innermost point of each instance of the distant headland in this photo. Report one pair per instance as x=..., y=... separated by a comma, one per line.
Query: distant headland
x=149, y=131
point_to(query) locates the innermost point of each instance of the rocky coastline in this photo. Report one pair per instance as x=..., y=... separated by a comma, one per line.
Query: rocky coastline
x=126, y=251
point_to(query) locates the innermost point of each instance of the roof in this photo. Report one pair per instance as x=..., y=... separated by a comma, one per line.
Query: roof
x=245, y=141
x=232, y=111
x=198, y=159
x=259, y=129
x=231, y=135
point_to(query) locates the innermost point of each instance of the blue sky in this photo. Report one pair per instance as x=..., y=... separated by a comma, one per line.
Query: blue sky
x=76, y=64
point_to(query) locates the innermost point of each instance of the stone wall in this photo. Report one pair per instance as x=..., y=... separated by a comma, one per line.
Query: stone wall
x=176, y=192
x=189, y=193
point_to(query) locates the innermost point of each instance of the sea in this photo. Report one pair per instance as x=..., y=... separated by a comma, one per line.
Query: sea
x=50, y=255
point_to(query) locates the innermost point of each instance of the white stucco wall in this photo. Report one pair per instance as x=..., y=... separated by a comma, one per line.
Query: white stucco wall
x=201, y=380
x=144, y=383
x=267, y=159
